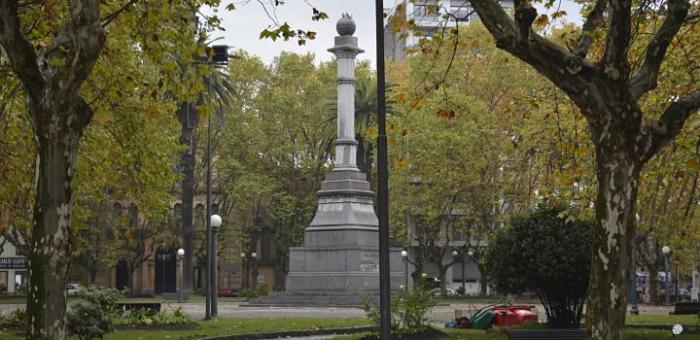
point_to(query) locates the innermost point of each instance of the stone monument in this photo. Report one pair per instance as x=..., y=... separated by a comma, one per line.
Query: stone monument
x=339, y=262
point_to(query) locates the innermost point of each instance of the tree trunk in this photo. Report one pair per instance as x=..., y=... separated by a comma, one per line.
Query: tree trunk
x=93, y=276
x=653, y=285
x=280, y=271
x=443, y=281
x=50, y=250
x=618, y=178
x=130, y=280
x=188, y=121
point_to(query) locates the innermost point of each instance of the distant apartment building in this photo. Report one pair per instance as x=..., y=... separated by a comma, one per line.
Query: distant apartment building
x=429, y=16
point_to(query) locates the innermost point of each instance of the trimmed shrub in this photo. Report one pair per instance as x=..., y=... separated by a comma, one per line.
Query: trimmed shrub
x=547, y=253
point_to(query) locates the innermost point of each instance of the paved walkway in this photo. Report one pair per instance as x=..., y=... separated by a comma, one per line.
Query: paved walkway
x=439, y=314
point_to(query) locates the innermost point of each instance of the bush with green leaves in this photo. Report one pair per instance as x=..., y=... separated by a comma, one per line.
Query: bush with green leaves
x=251, y=293
x=546, y=252
x=408, y=311
x=93, y=315
x=15, y=319
x=147, y=316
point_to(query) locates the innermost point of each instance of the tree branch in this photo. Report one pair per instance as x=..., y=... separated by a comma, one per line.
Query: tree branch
x=593, y=20
x=88, y=38
x=617, y=41
x=567, y=71
x=20, y=52
x=645, y=79
x=661, y=132
x=112, y=16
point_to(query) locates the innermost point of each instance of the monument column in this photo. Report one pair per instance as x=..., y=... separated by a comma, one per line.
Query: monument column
x=345, y=51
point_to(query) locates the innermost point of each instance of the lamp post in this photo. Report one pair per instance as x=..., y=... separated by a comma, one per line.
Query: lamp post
x=404, y=256
x=382, y=180
x=253, y=257
x=632, y=292
x=180, y=254
x=666, y=250
x=244, y=275
x=215, y=222
x=470, y=254
x=217, y=54
x=455, y=253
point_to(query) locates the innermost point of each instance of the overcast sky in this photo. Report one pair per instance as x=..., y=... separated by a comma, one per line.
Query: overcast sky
x=243, y=25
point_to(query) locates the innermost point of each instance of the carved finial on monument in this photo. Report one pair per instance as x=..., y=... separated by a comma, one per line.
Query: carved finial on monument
x=345, y=26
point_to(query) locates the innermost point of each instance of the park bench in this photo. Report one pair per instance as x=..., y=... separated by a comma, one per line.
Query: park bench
x=686, y=308
x=125, y=306
x=542, y=334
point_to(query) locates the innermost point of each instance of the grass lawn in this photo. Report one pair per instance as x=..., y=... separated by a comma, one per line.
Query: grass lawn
x=645, y=319
x=225, y=326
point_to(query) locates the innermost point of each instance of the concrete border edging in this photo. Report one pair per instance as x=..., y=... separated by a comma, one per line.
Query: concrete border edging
x=297, y=333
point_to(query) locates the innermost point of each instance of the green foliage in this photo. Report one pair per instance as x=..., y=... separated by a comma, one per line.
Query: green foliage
x=409, y=311
x=548, y=253
x=17, y=317
x=93, y=316
x=147, y=316
x=477, y=138
x=251, y=293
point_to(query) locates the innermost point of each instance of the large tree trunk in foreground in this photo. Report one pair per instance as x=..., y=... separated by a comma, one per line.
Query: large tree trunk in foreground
x=50, y=248
x=59, y=115
x=618, y=179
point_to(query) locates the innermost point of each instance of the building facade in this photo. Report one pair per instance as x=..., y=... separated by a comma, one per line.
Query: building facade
x=13, y=269
x=428, y=17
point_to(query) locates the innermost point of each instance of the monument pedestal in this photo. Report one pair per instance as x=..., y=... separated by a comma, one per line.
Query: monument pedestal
x=339, y=262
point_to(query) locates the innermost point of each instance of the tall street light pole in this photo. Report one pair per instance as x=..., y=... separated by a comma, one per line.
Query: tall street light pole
x=666, y=250
x=383, y=182
x=217, y=54
x=215, y=222
x=404, y=256
x=244, y=270
x=254, y=258
x=464, y=275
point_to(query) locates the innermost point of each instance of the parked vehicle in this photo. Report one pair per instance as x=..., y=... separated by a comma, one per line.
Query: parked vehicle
x=435, y=292
x=72, y=289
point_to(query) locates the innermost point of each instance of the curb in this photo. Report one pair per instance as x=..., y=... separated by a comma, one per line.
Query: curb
x=299, y=333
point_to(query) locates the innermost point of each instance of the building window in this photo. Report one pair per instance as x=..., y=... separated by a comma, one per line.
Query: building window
x=3, y=282
x=20, y=282
x=460, y=9
x=426, y=10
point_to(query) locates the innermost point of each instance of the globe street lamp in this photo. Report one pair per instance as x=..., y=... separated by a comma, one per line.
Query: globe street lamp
x=244, y=280
x=180, y=254
x=666, y=250
x=215, y=223
x=404, y=256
